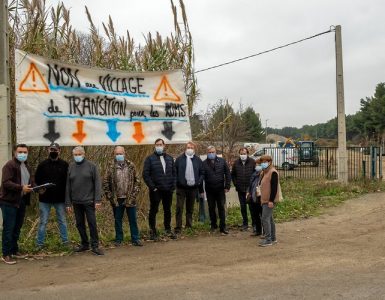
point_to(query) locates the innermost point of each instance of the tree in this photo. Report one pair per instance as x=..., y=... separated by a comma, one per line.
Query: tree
x=253, y=124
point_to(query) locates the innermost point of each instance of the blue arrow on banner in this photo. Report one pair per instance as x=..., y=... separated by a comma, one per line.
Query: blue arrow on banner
x=112, y=133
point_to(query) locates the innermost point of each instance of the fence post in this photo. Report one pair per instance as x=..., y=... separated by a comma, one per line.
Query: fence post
x=364, y=168
x=373, y=161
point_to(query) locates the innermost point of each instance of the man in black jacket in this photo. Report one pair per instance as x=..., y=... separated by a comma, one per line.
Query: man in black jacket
x=52, y=170
x=189, y=177
x=159, y=176
x=241, y=174
x=217, y=182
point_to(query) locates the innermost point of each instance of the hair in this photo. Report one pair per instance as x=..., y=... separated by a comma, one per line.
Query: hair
x=210, y=148
x=258, y=161
x=157, y=140
x=118, y=146
x=191, y=143
x=266, y=158
x=243, y=148
x=20, y=146
x=78, y=148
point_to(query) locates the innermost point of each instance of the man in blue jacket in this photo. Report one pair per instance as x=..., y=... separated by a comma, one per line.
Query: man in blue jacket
x=217, y=179
x=159, y=176
x=189, y=177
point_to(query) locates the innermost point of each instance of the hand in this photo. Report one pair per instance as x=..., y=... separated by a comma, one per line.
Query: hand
x=247, y=195
x=98, y=205
x=227, y=190
x=27, y=189
x=270, y=204
x=69, y=209
x=154, y=190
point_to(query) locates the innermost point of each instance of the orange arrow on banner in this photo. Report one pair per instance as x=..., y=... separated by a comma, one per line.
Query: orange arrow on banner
x=138, y=135
x=80, y=135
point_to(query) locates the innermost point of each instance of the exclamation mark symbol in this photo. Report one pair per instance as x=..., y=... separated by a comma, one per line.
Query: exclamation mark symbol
x=165, y=90
x=33, y=79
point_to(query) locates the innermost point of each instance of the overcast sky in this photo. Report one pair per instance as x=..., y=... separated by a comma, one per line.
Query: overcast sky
x=290, y=87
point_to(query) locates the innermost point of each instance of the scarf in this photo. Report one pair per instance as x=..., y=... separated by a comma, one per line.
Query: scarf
x=189, y=174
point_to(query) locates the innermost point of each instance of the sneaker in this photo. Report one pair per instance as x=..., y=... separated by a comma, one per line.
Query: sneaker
x=245, y=228
x=81, y=248
x=8, y=260
x=137, y=243
x=153, y=237
x=274, y=241
x=265, y=243
x=171, y=234
x=97, y=251
x=224, y=232
x=19, y=255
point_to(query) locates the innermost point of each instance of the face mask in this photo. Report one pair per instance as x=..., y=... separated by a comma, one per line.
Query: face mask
x=21, y=157
x=258, y=168
x=78, y=158
x=189, y=152
x=119, y=157
x=159, y=149
x=53, y=155
x=243, y=157
x=211, y=155
x=264, y=165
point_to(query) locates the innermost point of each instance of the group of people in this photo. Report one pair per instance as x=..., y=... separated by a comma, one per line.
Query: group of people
x=79, y=189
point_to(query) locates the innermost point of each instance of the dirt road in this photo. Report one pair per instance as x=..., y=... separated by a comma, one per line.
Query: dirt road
x=340, y=255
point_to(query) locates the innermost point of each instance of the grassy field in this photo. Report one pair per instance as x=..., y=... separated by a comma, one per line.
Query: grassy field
x=302, y=199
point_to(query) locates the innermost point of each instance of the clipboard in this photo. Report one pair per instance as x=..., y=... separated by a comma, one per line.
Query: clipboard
x=43, y=186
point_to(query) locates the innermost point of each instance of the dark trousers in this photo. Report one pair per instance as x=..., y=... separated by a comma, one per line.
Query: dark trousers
x=217, y=199
x=132, y=220
x=155, y=198
x=256, y=213
x=183, y=196
x=83, y=211
x=243, y=204
x=13, y=219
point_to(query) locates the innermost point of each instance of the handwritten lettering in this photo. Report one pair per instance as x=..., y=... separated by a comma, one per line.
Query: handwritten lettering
x=53, y=108
x=63, y=76
x=122, y=85
x=98, y=106
x=174, y=110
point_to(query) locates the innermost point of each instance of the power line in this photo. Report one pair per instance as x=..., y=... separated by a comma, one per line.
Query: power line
x=266, y=51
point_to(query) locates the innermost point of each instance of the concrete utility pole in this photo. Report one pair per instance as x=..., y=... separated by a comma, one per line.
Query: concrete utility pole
x=342, y=155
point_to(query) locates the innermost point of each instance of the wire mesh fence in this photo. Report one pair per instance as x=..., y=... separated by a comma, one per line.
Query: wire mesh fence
x=321, y=162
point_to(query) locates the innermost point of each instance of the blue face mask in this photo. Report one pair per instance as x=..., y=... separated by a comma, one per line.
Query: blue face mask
x=258, y=168
x=21, y=157
x=264, y=165
x=211, y=155
x=78, y=158
x=119, y=157
x=159, y=150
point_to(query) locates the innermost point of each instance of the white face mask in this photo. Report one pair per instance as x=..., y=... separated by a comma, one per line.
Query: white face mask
x=243, y=157
x=190, y=152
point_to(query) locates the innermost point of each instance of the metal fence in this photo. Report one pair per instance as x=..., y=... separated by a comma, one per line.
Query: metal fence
x=321, y=162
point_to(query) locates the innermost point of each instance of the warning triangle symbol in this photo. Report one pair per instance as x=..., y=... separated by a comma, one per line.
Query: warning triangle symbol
x=165, y=92
x=33, y=81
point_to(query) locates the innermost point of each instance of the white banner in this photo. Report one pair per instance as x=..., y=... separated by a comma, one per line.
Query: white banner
x=72, y=105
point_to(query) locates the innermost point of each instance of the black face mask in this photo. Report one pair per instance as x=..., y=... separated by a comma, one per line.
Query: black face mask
x=53, y=155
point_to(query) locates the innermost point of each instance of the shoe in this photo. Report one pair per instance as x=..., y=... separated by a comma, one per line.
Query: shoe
x=19, y=255
x=224, y=232
x=117, y=243
x=265, y=243
x=245, y=228
x=81, y=248
x=97, y=251
x=153, y=237
x=137, y=243
x=8, y=260
x=274, y=242
x=256, y=234
x=171, y=234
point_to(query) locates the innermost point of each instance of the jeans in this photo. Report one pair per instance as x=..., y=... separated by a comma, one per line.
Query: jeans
x=132, y=220
x=242, y=202
x=45, y=209
x=182, y=196
x=217, y=199
x=155, y=198
x=83, y=211
x=268, y=223
x=256, y=213
x=13, y=219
